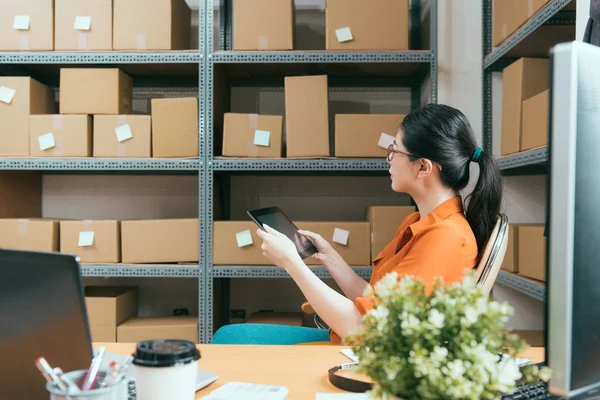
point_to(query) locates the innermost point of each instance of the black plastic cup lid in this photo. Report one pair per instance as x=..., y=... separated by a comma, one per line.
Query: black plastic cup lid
x=165, y=353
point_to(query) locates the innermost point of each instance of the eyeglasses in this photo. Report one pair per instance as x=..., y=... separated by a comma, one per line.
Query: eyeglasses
x=391, y=151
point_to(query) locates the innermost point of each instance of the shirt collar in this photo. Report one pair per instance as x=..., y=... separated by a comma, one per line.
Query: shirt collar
x=441, y=212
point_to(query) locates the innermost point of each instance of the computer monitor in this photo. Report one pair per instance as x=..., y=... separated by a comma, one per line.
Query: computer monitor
x=42, y=314
x=573, y=270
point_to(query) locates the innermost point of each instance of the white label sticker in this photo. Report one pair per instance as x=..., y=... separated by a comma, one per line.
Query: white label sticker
x=123, y=133
x=46, y=141
x=86, y=238
x=386, y=140
x=83, y=23
x=341, y=236
x=6, y=94
x=21, y=22
x=262, y=138
x=344, y=34
x=243, y=238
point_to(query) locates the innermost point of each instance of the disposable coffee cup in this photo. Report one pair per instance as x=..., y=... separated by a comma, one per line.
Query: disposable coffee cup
x=165, y=369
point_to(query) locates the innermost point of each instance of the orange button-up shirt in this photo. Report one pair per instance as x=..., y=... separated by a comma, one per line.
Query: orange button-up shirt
x=441, y=244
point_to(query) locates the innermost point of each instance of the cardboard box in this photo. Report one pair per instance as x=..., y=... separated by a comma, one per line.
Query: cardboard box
x=68, y=136
x=527, y=9
x=139, y=329
x=151, y=25
x=263, y=25
x=360, y=135
x=521, y=80
x=95, y=91
x=276, y=318
x=175, y=127
x=107, y=307
x=83, y=25
x=21, y=194
x=155, y=241
x=26, y=25
x=533, y=338
x=307, y=116
x=107, y=143
x=29, y=234
x=385, y=222
x=357, y=251
x=360, y=25
x=252, y=135
x=93, y=241
x=506, y=18
x=532, y=251
x=535, y=121
x=511, y=261
x=30, y=97
x=225, y=245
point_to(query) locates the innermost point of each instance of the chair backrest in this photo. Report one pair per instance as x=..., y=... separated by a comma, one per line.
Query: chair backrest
x=493, y=254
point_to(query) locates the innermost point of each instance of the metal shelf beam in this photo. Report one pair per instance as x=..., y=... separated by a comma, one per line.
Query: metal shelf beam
x=110, y=57
x=523, y=285
x=527, y=29
x=222, y=271
x=140, y=271
x=286, y=164
x=524, y=159
x=355, y=57
x=100, y=164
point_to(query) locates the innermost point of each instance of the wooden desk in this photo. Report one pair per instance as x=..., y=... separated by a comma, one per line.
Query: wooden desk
x=302, y=369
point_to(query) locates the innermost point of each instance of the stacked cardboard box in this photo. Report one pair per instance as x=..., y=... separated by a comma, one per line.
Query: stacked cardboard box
x=30, y=234
x=263, y=25
x=522, y=80
x=92, y=241
x=107, y=308
x=385, y=222
x=367, y=25
x=20, y=98
x=175, y=127
x=365, y=135
x=149, y=328
x=26, y=25
x=83, y=25
x=526, y=251
x=535, y=121
x=252, y=135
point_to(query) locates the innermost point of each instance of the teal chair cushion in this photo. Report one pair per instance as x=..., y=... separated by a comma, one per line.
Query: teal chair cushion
x=265, y=334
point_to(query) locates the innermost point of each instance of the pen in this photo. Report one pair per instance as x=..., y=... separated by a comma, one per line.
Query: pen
x=92, y=374
x=71, y=386
x=48, y=373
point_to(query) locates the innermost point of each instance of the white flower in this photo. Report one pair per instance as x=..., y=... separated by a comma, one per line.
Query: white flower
x=455, y=369
x=436, y=318
x=410, y=323
x=508, y=373
x=381, y=315
x=386, y=284
x=470, y=316
x=439, y=353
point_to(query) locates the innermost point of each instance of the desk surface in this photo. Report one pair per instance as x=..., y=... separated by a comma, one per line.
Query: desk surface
x=302, y=369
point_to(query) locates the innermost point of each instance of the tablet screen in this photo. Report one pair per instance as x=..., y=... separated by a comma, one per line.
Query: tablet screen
x=277, y=220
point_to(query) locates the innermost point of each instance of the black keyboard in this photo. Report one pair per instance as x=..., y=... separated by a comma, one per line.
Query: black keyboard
x=531, y=392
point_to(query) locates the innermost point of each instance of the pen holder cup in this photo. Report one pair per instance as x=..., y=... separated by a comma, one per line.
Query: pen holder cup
x=118, y=391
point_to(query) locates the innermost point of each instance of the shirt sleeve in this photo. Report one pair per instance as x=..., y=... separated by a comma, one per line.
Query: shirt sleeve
x=437, y=252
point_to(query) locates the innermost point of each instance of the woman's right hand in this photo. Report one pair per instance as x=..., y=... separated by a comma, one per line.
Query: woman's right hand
x=325, y=251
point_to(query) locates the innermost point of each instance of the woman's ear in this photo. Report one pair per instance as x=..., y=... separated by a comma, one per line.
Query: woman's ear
x=425, y=167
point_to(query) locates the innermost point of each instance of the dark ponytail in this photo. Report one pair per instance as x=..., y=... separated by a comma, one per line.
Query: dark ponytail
x=443, y=135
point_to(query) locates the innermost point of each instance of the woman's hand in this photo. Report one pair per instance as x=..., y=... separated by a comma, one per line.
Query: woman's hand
x=325, y=251
x=278, y=248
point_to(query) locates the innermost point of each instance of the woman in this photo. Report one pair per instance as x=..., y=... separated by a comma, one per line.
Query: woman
x=430, y=161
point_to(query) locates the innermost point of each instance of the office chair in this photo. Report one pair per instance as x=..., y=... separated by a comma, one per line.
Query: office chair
x=487, y=270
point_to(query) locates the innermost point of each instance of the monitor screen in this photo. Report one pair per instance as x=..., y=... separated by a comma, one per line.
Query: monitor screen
x=573, y=295
x=42, y=314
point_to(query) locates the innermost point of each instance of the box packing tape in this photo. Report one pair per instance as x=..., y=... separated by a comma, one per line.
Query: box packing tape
x=530, y=8
x=22, y=227
x=252, y=148
x=82, y=41
x=263, y=42
x=253, y=121
x=504, y=31
x=59, y=150
x=24, y=41
x=121, y=146
x=87, y=251
x=57, y=122
x=141, y=41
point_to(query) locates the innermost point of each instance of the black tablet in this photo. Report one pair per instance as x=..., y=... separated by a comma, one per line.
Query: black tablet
x=277, y=220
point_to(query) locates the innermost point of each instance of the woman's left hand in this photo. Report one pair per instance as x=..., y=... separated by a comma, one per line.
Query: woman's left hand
x=278, y=248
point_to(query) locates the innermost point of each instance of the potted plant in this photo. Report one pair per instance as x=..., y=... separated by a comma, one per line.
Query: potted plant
x=445, y=343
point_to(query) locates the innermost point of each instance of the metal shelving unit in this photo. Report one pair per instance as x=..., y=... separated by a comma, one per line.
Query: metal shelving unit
x=346, y=69
x=521, y=43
